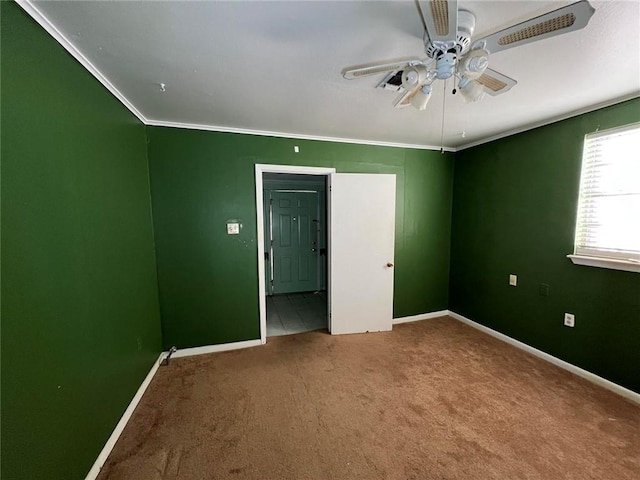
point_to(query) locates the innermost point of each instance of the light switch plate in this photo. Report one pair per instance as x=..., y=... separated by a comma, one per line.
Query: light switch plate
x=233, y=228
x=513, y=280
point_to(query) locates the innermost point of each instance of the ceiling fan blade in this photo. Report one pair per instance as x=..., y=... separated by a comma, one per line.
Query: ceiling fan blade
x=366, y=69
x=404, y=100
x=563, y=20
x=440, y=19
x=495, y=83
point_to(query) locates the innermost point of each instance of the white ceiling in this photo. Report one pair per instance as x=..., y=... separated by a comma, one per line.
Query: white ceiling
x=275, y=66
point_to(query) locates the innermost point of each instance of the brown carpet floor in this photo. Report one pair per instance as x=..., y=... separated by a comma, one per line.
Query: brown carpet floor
x=431, y=400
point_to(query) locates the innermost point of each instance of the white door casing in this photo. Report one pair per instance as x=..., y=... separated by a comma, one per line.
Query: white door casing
x=362, y=232
x=260, y=225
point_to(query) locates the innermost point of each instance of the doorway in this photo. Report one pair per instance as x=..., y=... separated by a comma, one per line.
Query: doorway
x=295, y=245
x=360, y=225
x=312, y=305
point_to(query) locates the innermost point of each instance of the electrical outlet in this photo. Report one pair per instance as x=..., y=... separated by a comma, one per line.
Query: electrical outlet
x=513, y=280
x=544, y=289
x=569, y=320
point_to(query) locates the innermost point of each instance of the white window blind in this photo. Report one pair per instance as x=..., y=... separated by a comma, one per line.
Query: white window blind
x=608, y=223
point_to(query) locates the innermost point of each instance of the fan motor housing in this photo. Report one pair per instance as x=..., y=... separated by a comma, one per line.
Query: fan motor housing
x=466, y=26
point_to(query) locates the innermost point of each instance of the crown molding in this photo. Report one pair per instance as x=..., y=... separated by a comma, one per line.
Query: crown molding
x=40, y=18
x=549, y=121
x=267, y=133
x=45, y=23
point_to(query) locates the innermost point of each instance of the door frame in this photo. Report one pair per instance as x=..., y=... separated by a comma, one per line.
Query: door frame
x=299, y=170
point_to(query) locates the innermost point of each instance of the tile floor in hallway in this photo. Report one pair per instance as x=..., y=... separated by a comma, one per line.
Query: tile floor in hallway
x=296, y=313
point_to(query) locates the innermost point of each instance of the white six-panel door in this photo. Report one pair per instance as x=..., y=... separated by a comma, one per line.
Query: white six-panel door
x=362, y=231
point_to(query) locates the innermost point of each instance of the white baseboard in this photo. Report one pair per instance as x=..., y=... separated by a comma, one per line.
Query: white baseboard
x=223, y=347
x=185, y=352
x=592, y=377
x=421, y=316
x=111, y=442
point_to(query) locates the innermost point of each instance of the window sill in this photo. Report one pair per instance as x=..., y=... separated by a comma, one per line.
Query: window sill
x=611, y=263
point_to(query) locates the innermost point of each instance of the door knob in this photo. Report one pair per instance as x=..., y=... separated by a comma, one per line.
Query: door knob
x=389, y=264
x=313, y=249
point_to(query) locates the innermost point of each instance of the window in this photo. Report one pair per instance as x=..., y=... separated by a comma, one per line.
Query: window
x=608, y=223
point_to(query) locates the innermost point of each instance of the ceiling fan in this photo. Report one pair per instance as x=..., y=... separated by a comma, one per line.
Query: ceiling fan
x=451, y=53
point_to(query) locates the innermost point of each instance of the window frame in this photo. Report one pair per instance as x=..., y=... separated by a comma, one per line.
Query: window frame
x=599, y=258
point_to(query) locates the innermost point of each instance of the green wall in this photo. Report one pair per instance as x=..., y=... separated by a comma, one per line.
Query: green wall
x=514, y=210
x=208, y=280
x=80, y=308
x=80, y=315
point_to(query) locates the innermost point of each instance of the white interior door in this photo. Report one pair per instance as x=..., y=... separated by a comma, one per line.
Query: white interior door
x=362, y=231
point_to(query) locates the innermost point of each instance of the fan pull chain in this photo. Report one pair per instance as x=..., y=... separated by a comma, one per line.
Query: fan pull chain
x=444, y=96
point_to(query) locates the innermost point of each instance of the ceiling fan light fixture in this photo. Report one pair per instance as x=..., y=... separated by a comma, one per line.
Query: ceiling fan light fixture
x=413, y=75
x=474, y=64
x=471, y=90
x=421, y=98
